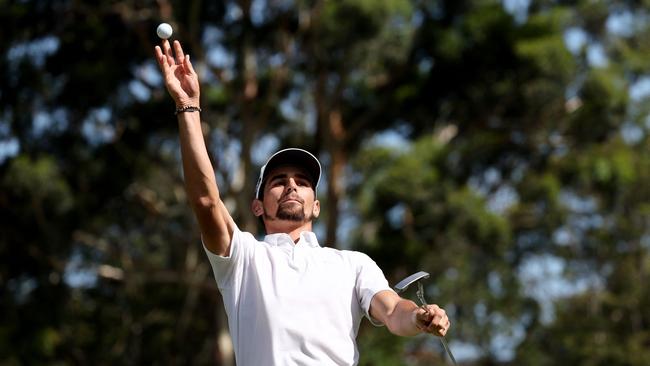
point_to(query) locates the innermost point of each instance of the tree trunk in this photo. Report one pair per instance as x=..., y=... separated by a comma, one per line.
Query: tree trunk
x=333, y=136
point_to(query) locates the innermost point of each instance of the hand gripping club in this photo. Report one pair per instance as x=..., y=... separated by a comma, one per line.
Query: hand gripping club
x=415, y=278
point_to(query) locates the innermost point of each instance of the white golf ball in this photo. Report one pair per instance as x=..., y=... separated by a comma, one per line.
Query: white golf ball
x=164, y=30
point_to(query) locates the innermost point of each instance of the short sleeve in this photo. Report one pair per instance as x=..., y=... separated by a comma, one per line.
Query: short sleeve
x=228, y=269
x=370, y=281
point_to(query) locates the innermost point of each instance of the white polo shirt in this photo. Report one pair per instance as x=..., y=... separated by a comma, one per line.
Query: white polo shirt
x=294, y=304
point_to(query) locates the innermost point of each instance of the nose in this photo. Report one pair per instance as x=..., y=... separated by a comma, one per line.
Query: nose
x=291, y=185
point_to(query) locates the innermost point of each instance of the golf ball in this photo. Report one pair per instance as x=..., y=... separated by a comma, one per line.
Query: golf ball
x=164, y=30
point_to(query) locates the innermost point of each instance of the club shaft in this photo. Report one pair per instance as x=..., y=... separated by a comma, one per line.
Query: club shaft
x=446, y=347
x=423, y=302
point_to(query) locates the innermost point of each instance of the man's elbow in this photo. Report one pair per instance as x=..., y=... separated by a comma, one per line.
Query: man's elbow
x=210, y=212
x=215, y=224
x=205, y=204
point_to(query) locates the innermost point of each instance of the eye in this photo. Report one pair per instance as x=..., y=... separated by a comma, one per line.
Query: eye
x=276, y=182
x=302, y=183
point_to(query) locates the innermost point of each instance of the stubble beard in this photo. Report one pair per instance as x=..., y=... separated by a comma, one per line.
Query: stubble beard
x=288, y=213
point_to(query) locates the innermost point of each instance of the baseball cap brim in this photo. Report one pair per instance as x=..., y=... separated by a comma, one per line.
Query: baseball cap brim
x=292, y=157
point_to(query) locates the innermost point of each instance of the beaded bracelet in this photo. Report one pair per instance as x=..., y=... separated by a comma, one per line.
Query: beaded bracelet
x=187, y=109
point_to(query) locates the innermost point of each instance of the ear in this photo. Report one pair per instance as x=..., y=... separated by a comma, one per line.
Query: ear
x=316, y=209
x=257, y=207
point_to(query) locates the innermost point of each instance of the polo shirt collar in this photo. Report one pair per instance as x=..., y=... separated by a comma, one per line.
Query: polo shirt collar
x=307, y=238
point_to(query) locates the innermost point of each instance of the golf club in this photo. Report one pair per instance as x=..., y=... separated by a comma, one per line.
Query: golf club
x=415, y=278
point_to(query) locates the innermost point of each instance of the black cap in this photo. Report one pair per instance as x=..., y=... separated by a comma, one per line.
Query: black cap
x=294, y=157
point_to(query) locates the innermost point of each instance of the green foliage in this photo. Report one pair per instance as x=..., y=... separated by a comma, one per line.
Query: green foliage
x=513, y=144
x=605, y=97
x=381, y=350
x=547, y=54
x=418, y=218
x=40, y=182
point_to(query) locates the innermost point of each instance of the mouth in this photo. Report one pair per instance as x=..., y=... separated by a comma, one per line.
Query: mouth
x=290, y=200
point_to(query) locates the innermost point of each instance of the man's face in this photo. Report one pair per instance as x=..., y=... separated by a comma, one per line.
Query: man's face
x=289, y=196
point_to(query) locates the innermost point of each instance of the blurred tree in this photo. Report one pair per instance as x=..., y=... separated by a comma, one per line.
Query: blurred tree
x=602, y=170
x=474, y=137
x=99, y=257
x=88, y=115
x=541, y=130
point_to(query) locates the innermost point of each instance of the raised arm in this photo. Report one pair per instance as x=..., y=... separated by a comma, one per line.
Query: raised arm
x=403, y=317
x=182, y=82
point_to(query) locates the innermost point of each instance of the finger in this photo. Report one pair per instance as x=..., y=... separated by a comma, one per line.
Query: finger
x=437, y=321
x=437, y=329
x=180, y=56
x=443, y=327
x=188, y=65
x=160, y=58
x=433, y=308
x=421, y=319
x=424, y=316
x=168, y=52
x=158, y=53
x=437, y=312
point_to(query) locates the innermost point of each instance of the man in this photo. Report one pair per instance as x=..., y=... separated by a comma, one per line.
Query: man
x=289, y=301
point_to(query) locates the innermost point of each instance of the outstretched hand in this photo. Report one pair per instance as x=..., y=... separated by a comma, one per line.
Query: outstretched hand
x=181, y=80
x=433, y=320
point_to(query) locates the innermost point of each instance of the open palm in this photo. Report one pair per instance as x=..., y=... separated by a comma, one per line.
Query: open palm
x=181, y=80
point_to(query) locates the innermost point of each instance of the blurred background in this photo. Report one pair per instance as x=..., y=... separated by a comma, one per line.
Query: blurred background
x=501, y=146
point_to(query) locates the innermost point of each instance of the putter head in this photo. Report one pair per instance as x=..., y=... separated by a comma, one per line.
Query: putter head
x=405, y=283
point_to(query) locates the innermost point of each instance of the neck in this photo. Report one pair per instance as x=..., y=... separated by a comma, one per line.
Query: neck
x=293, y=229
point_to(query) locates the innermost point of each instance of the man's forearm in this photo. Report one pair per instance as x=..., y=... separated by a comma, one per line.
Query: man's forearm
x=402, y=320
x=182, y=82
x=198, y=173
